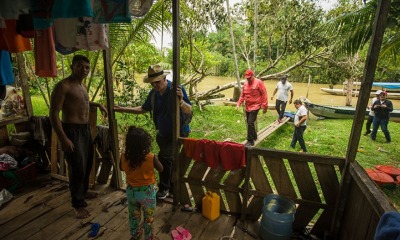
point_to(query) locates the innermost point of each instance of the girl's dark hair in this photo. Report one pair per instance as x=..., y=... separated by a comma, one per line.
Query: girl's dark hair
x=137, y=146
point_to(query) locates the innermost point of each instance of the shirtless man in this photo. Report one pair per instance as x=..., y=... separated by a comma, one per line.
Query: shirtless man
x=70, y=97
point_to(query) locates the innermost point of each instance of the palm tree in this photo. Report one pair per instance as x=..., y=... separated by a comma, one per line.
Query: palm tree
x=355, y=29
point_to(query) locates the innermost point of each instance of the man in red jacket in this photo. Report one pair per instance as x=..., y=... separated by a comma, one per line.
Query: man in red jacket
x=255, y=97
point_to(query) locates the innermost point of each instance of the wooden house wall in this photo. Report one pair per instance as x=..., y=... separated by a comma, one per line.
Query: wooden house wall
x=366, y=203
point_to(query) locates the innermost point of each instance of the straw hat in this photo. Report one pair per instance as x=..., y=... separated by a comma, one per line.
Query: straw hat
x=154, y=73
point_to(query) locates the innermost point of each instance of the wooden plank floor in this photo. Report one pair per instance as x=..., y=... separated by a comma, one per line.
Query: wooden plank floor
x=44, y=212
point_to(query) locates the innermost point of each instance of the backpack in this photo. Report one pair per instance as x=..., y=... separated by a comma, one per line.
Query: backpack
x=185, y=119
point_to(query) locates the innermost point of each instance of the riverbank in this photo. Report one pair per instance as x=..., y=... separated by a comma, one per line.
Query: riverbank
x=301, y=90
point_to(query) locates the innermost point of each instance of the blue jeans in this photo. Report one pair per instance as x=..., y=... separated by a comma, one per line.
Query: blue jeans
x=383, y=122
x=298, y=136
x=280, y=107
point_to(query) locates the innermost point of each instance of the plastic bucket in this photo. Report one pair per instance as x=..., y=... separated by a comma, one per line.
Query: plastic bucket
x=277, y=217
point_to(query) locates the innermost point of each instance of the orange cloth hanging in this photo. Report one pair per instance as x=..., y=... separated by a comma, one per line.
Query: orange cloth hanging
x=189, y=145
x=11, y=41
x=45, y=53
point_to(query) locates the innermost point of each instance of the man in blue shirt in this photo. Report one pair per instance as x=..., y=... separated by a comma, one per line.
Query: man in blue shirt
x=160, y=101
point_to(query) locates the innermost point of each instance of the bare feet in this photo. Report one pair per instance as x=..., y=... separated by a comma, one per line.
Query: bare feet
x=81, y=213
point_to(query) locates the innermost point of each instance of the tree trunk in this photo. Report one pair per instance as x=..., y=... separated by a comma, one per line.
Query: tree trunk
x=349, y=91
x=255, y=34
x=236, y=93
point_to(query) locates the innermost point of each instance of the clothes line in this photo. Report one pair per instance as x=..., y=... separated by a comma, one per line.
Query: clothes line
x=56, y=25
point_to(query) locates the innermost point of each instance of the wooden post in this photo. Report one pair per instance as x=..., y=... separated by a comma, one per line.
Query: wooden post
x=175, y=107
x=246, y=184
x=24, y=83
x=111, y=117
x=382, y=11
x=53, y=153
x=93, y=129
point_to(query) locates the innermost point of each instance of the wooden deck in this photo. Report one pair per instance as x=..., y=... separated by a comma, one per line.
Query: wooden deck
x=44, y=212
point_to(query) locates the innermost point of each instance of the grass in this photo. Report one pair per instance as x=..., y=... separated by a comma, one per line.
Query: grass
x=325, y=137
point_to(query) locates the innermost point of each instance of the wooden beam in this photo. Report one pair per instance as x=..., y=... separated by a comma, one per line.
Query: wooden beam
x=379, y=26
x=175, y=107
x=268, y=130
x=23, y=80
x=112, y=121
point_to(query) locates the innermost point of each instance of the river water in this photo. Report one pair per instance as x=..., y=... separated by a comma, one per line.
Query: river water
x=313, y=92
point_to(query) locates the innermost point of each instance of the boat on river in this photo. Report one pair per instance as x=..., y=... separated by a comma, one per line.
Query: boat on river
x=342, y=112
x=343, y=92
x=392, y=89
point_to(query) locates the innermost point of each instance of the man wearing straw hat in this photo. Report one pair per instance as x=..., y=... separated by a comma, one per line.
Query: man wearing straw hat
x=160, y=101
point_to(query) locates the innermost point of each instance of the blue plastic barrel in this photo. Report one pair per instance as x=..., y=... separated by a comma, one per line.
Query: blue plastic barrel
x=277, y=218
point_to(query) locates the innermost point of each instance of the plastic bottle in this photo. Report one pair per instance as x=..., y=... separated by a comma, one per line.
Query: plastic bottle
x=211, y=205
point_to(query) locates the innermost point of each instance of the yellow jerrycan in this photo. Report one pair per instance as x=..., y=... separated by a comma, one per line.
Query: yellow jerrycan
x=211, y=205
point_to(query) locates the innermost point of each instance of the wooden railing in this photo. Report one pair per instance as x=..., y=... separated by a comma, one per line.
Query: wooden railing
x=365, y=204
x=311, y=181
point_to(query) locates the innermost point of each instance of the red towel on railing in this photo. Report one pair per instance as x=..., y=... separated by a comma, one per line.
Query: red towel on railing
x=207, y=151
x=232, y=156
x=189, y=144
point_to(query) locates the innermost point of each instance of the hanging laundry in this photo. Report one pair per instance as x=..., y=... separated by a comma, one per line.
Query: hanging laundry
x=42, y=129
x=11, y=9
x=189, y=145
x=65, y=35
x=45, y=53
x=41, y=11
x=6, y=72
x=207, y=151
x=2, y=23
x=65, y=31
x=11, y=41
x=111, y=11
x=232, y=156
x=91, y=36
x=71, y=9
x=25, y=26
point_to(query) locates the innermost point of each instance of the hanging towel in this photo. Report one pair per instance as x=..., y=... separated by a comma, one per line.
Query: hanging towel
x=11, y=9
x=11, y=41
x=42, y=129
x=2, y=23
x=232, y=156
x=25, y=26
x=91, y=36
x=111, y=11
x=41, y=11
x=72, y=9
x=45, y=53
x=65, y=31
x=6, y=72
x=189, y=145
x=207, y=151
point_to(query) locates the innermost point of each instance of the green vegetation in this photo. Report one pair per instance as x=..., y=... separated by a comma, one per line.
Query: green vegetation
x=325, y=137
